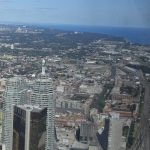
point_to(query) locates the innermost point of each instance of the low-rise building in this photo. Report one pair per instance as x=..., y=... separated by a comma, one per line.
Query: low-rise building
x=93, y=111
x=69, y=119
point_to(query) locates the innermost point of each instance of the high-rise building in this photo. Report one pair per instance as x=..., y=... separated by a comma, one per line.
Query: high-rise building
x=28, y=127
x=111, y=137
x=115, y=138
x=103, y=136
x=86, y=132
x=15, y=93
x=43, y=95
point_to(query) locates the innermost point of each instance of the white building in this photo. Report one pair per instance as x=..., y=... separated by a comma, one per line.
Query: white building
x=43, y=95
x=114, y=115
x=60, y=89
x=12, y=46
x=2, y=82
x=91, y=62
x=90, y=89
x=15, y=93
x=61, y=103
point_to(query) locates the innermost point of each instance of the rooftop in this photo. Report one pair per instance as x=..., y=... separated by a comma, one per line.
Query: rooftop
x=79, y=145
x=33, y=108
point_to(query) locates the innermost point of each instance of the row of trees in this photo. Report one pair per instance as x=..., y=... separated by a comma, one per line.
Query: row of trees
x=145, y=69
x=99, y=99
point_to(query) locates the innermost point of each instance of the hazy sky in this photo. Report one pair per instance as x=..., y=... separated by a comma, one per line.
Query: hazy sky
x=127, y=13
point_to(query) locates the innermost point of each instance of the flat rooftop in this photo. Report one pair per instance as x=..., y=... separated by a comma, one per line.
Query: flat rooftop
x=33, y=108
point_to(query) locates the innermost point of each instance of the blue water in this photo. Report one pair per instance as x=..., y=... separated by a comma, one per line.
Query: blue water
x=134, y=35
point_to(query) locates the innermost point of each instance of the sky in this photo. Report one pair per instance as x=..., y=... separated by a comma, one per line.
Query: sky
x=122, y=13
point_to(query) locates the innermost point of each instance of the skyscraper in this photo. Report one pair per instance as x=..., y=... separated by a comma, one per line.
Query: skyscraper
x=43, y=95
x=29, y=127
x=86, y=132
x=14, y=94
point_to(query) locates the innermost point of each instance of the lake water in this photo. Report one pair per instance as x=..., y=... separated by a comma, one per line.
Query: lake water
x=134, y=35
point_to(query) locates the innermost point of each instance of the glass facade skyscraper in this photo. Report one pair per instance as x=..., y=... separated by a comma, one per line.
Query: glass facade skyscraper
x=29, y=127
x=42, y=94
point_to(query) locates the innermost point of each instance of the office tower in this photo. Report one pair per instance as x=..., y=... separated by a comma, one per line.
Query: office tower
x=111, y=137
x=15, y=93
x=28, y=127
x=103, y=136
x=43, y=95
x=86, y=132
x=115, y=138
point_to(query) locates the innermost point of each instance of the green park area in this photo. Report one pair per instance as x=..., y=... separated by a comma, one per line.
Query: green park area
x=99, y=99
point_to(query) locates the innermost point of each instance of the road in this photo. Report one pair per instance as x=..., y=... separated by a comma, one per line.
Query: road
x=142, y=138
x=145, y=144
x=113, y=71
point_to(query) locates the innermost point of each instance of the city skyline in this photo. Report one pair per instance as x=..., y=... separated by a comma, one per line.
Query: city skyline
x=95, y=88
x=42, y=95
x=129, y=13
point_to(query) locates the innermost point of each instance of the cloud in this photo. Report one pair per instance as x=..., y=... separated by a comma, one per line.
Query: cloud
x=46, y=9
x=14, y=9
x=5, y=1
x=26, y=10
